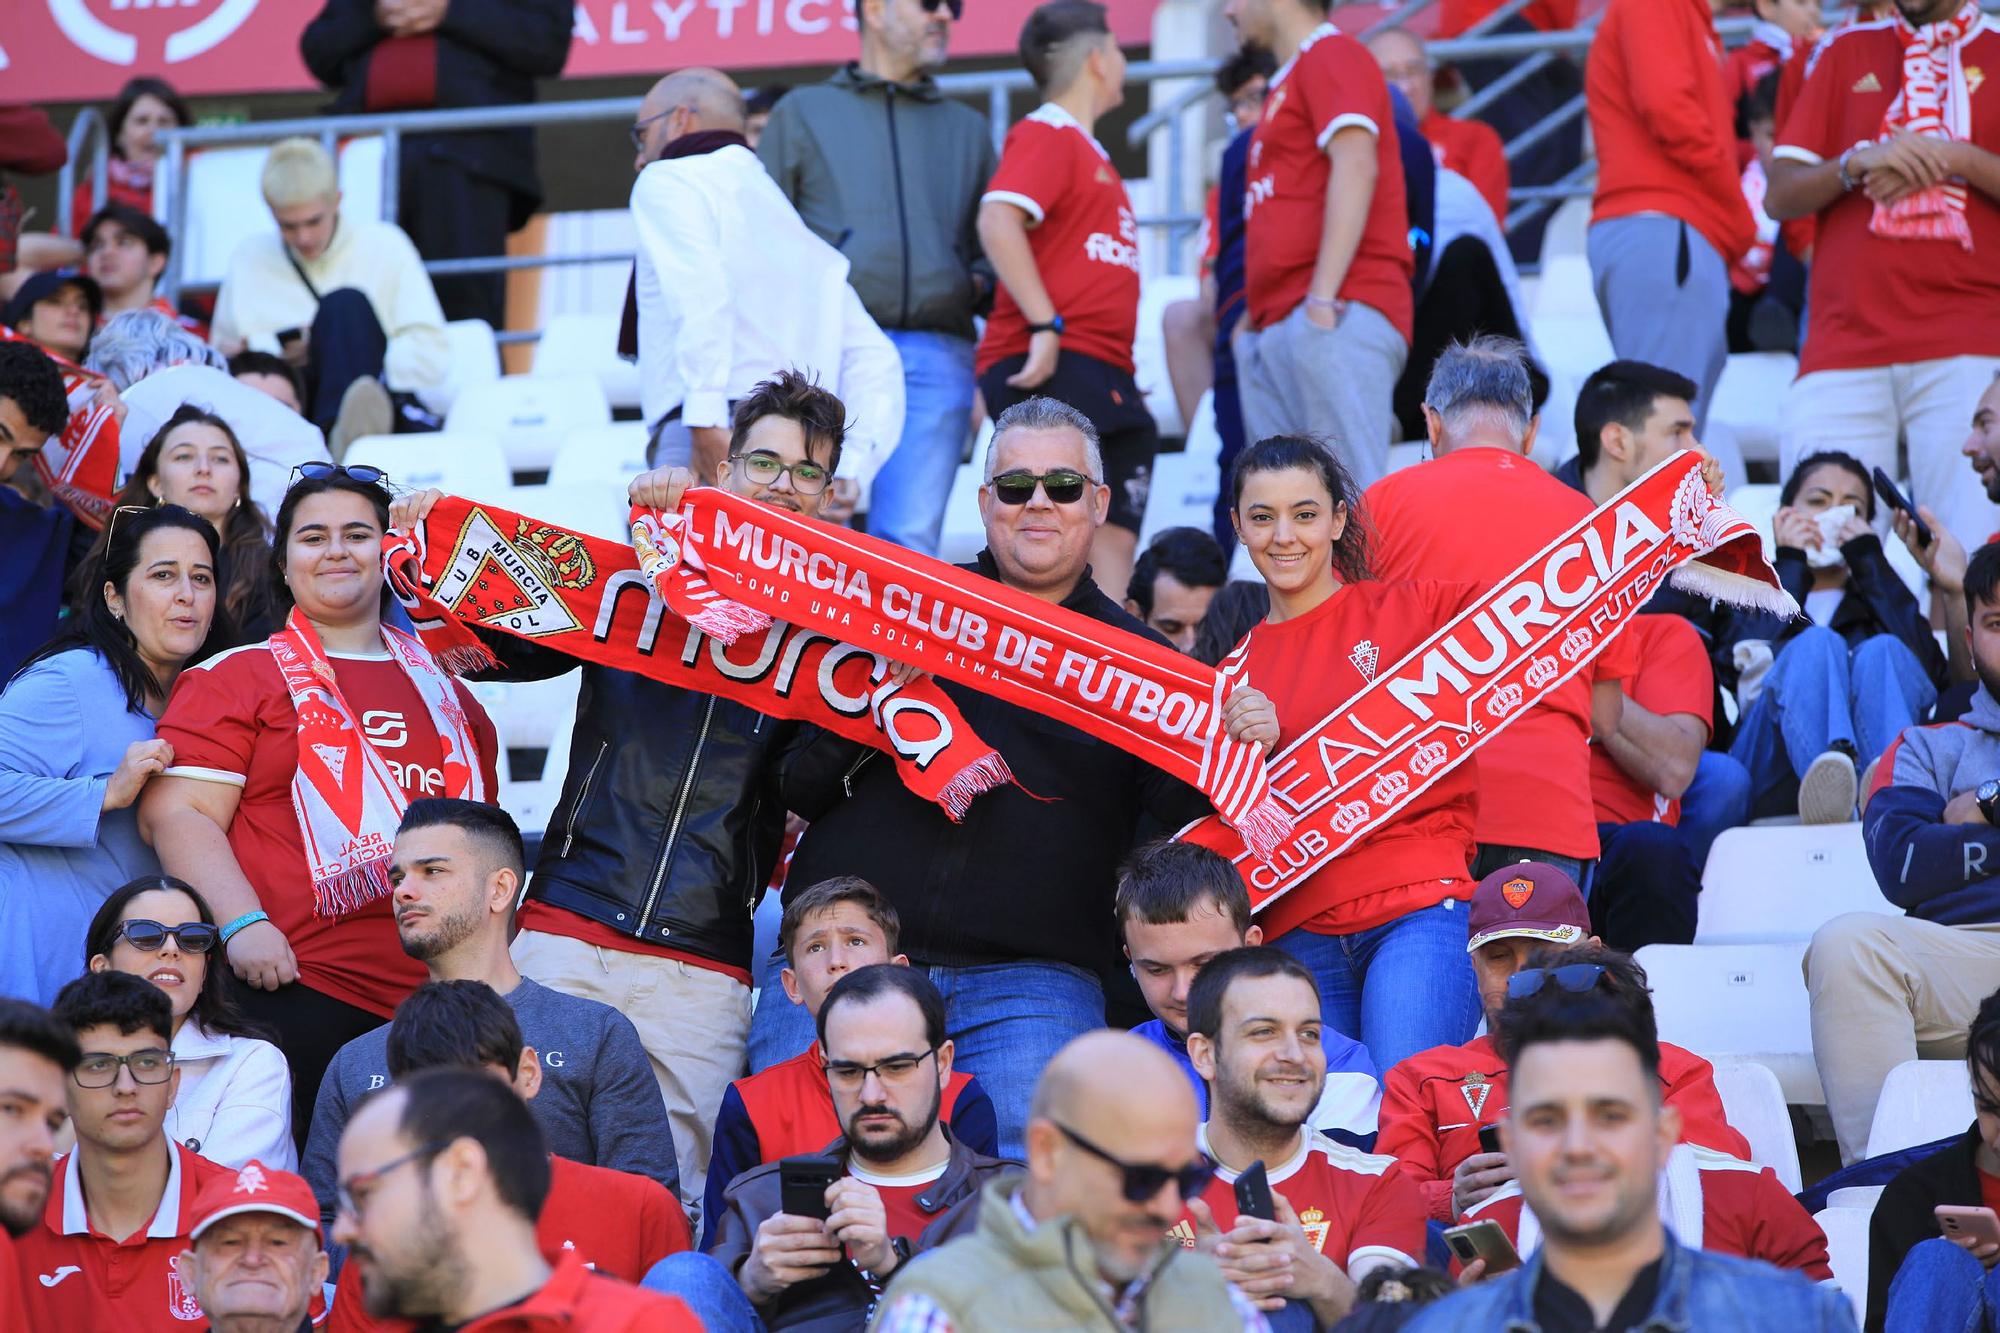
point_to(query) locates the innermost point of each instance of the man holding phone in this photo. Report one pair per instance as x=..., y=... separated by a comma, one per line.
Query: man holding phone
x=1295, y=1219
x=895, y=1184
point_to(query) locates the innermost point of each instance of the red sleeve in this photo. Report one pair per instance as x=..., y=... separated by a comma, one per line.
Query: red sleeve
x=1775, y=1226
x=1676, y=675
x=1034, y=170
x=1392, y=1216
x=29, y=143
x=211, y=717
x=1810, y=125
x=1621, y=659
x=1340, y=89
x=1486, y=167
x=1680, y=119
x=663, y=1227
x=1691, y=1088
x=1407, y=1131
x=485, y=737
x=1792, y=78
x=1211, y=229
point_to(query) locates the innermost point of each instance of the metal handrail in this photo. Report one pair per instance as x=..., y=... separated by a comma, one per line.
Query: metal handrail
x=89, y=124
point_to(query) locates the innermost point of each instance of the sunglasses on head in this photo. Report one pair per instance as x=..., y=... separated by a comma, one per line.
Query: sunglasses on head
x=358, y=472
x=1064, y=486
x=1573, y=977
x=151, y=936
x=1141, y=1181
x=957, y=7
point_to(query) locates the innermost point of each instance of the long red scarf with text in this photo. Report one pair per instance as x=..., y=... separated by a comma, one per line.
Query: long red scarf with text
x=1935, y=100
x=478, y=564
x=80, y=466
x=347, y=799
x=721, y=553
x=1459, y=688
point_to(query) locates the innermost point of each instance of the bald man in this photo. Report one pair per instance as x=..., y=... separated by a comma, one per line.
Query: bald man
x=1111, y=1162
x=731, y=288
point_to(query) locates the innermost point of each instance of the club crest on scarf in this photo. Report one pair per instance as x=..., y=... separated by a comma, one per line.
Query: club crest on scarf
x=491, y=581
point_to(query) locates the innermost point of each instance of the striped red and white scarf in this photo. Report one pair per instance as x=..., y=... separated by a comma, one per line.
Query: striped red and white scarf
x=1933, y=101
x=79, y=466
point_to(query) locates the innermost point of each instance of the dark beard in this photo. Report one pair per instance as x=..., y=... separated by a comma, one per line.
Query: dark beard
x=422, y=1278
x=446, y=934
x=21, y=1223
x=891, y=1149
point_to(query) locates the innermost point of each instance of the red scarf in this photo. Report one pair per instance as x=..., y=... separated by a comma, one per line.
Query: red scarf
x=1933, y=101
x=1140, y=696
x=347, y=800
x=80, y=467
x=481, y=565
x=1462, y=686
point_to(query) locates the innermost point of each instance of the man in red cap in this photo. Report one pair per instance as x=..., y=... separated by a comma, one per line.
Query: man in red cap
x=254, y=1258
x=1435, y=1103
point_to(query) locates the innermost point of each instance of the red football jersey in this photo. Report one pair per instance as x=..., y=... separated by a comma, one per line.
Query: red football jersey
x=1314, y=664
x=1742, y=1209
x=1083, y=234
x=1534, y=777
x=1434, y=1103
x=1473, y=149
x=1358, y=1209
x=1674, y=676
x=615, y=1222
x=1923, y=300
x=231, y=720
x=1332, y=84
x=75, y=1277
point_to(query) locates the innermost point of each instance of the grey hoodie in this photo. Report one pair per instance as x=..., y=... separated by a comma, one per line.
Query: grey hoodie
x=890, y=175
x=1948, y=873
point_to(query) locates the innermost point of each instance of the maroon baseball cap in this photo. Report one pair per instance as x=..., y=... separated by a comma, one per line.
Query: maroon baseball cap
x=1529, y=900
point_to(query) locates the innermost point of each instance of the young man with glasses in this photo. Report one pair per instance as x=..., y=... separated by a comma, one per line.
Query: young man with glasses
x=1254, y=1033
x=1059, y=229
x=119, y=1207
x=1436, y=1103
x=1083, y=1240
x=905, y=1184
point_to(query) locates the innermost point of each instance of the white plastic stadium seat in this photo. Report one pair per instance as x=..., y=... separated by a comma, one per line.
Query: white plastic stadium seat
x=1149, y=348
x=457, y=464
x=1747, y=398
x=528, y=713
x=533, y=802
x=1755, y=1105
x=225, y=207
x=579, y=344
x=1863, y=1197
x=1782, y=882
x=612, y=454
x=531, y=415
x=1847, y=1252
x=475, y=363
x=1921, y=1101
x=1757, y=504
x=963, y=534
x=1741, y=1000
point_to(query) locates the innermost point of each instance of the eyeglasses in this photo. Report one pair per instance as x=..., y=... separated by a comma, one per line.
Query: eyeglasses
x=99, y=1070
x=639, y=128
x=1573, y=977
x=957, y=7
x=765, y=469
x=150, y=936
x=111, y=528
x=1143, y=1180
x=358, y=472
x=343, y=1191
x=1063, y=486
x=894, y=1069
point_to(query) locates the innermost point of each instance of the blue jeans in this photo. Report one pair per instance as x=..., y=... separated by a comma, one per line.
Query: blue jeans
x=1402, y=987
x=1006, y=1021
x=706, y=1288
x=1717, y=799
x=906, y=505
x=1816, y=693
x=1942, y=1289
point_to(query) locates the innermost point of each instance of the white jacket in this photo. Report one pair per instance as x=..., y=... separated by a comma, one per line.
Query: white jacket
x=235, y=1099
x=733, y=288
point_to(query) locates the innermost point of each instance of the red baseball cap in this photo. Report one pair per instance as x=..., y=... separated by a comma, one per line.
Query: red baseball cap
x=1529, y=900
x=255, y=1188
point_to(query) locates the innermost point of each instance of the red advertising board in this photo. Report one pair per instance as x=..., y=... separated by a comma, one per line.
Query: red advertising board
x=78, y=50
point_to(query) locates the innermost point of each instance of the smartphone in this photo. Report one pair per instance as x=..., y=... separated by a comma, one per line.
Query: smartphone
x=1962, y=1223
x=1885, y=486
x=802, y=1185
x=1489, y=1139
x=1484, y=1240
x=1253, y=1193
x=290, y=335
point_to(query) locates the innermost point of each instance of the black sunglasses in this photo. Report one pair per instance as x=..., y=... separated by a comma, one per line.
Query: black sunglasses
x=151, y=936
x=957, y=7
x=1573, y=977
x=1143, y=1180
x=358, y=472
x=1064, y=486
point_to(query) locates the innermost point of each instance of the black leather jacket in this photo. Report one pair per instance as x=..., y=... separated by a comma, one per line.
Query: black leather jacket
x=669, y=824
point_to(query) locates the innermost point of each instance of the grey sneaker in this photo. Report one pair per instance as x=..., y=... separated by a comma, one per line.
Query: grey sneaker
x=1828, y=789
x=365, y=409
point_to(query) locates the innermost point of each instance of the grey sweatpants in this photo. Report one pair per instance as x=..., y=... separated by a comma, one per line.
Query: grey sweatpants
x=1664, y=293
x=1337, y=384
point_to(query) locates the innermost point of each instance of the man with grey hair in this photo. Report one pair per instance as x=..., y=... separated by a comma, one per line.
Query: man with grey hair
x=136, y=343
x=1534, y=778
x=1010, y=910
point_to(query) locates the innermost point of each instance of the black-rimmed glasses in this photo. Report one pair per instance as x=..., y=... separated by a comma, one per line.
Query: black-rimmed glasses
x=957, y=7
x=360, y=473
x=1141, y=1181
x=151, y=936
x=100, y=1070
x=808, y=478
x=343, y=1191
x=1064, y=486
x=897, y=1067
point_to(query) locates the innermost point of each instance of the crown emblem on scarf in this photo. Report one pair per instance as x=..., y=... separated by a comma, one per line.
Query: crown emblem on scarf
x=1388, y=787
x=1505, y=700
x=1576, y=643
x=1430, y=755
x=1541, y=671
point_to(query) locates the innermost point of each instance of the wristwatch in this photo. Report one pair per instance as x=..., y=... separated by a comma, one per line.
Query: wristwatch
x=1055, y=325
x=1988, y=796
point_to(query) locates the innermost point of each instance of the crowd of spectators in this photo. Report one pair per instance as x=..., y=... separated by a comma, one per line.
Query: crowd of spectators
x=323, y=1045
